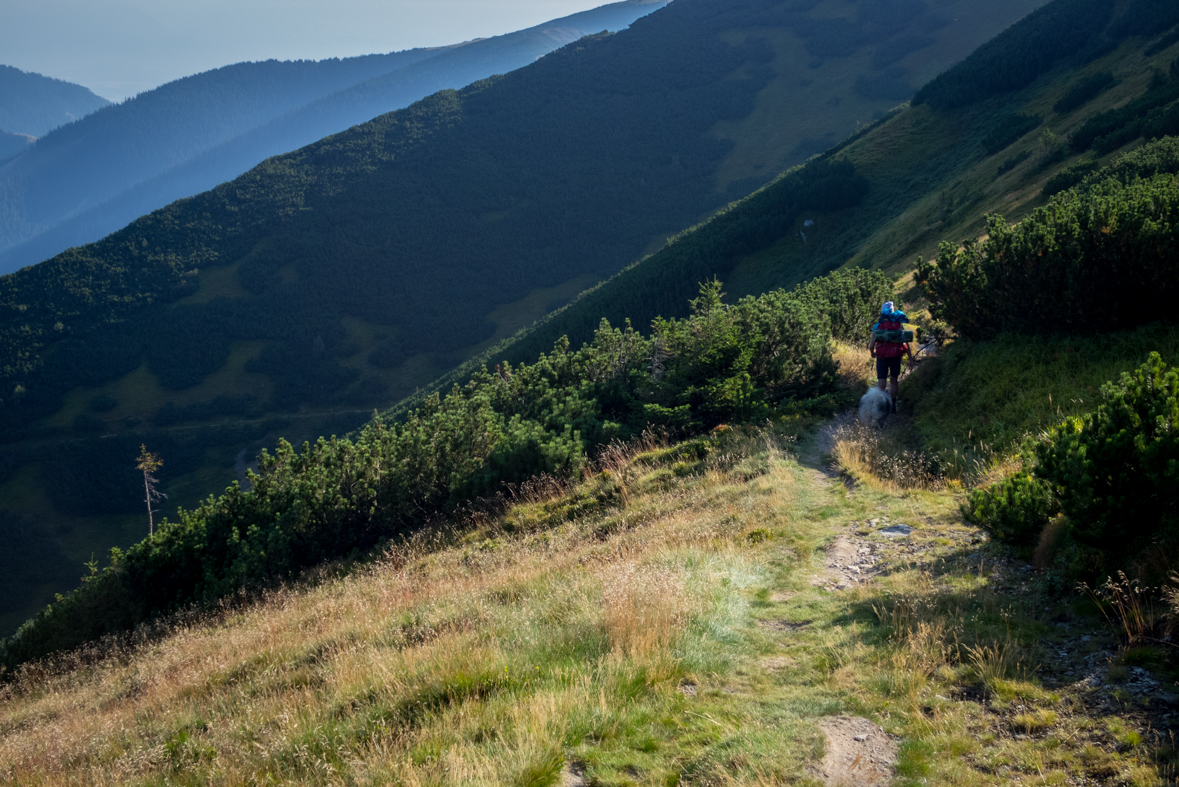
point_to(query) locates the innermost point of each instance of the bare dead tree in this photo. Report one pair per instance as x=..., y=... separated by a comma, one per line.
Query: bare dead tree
x=149, y=463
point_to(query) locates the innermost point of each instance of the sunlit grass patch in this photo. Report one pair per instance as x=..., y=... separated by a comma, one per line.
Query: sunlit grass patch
x=486, y=657
x=878, y=458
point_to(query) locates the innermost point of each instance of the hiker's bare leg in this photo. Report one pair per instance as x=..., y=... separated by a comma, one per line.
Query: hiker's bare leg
x=892, y=388
x=883, y=383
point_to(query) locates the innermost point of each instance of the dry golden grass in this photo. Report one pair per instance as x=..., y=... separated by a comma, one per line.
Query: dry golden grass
x=857, y=370
x=462, y=664
x=644, y=609
x=877, y=458
x=656, y=623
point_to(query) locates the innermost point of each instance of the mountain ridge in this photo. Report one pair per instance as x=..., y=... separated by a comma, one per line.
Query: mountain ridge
x=375, y=84
x=33, y=104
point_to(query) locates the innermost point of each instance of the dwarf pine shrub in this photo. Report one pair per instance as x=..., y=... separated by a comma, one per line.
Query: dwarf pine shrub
x=1099, y=257
x=1114, y=473
x=1014, y=510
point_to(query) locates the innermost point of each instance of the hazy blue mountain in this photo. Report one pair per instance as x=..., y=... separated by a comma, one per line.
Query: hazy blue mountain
x=65, y=193
x=33, y=104
x=12, y=144
x=85, y=163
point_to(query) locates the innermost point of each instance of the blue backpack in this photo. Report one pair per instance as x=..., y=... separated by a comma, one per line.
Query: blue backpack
x=891, y=329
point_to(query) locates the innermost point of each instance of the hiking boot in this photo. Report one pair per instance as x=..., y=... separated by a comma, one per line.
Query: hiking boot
x=894, y=408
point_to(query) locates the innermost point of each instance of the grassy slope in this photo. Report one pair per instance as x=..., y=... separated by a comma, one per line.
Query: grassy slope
x=794, y=113
x=980, y=400
x=763, y=143
x=689, y=632
x=953, y=207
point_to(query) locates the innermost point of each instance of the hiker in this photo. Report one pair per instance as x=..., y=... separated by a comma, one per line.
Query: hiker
x=888, y=354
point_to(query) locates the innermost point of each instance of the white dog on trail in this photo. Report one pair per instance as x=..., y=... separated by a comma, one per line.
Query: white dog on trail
x=875, y=407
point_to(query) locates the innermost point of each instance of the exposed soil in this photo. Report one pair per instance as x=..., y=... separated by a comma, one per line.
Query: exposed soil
x=857, y=753
x=824, y=443
x=850, y=561
x=573, y=775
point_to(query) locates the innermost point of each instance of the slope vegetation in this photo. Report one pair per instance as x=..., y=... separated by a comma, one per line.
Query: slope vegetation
x=720, y=622
x=717, y=610
x=188, y=136
x=337, y=279
x=765, y=358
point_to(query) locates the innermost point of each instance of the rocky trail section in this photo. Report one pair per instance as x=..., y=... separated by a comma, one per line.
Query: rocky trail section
x=849, y=561
x=856, y=753
x=852, y=559
x=1074, y=706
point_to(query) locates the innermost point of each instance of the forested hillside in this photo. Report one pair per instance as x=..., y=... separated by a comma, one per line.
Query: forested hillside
x=190, y=135
x=34, y=105
x=974, y=143
x=337, y=279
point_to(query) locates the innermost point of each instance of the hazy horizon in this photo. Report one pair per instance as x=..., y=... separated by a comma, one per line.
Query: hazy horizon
x=125, y=47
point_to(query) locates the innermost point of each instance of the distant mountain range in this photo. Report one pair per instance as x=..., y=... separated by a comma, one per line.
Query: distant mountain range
x=33, y=105
x=83, y=182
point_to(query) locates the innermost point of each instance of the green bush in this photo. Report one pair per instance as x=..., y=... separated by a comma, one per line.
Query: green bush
x=1160, y=157
x=1008, y=130
x=1116, y=471
x=1013, y=162
x=1068, y=178
x=1113, y=128
x=1084, y=91
x=1094, y=260
x=1014, y=511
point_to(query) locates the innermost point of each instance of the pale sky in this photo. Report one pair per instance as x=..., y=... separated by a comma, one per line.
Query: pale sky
x=118, y=48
